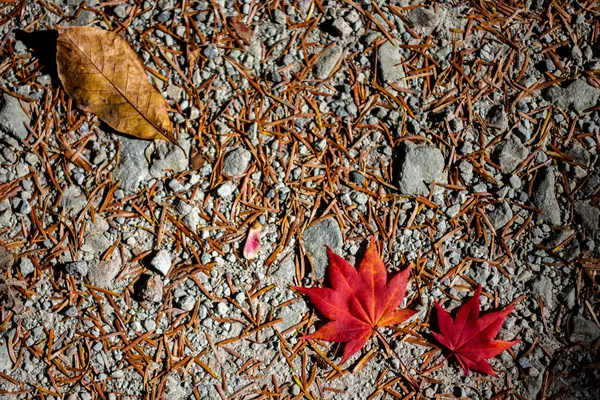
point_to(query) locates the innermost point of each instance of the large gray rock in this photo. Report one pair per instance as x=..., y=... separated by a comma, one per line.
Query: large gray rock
x=588, y=215
x=544, y=196
x=236, y=161
x=133, y=165
x=510, y=153
x=389, y=59
x=315, y=238
x=578, y=96
x=12, y=117
x=419, y=165
x=327, y=61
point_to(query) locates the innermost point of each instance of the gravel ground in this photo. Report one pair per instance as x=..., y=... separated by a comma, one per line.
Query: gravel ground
x=463, y=134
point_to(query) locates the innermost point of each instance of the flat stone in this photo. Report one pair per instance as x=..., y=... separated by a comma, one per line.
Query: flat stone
x=578, y=153
x=96, y=244
x=497, y=117
x=103, y=273
x=133, y=165
x=578, y=96
x=12, y=117
x=7, y=259
x=5, y=361
x=326, y=232
x=544, y=196
x=161, y=262
x=583, y=329
x=73, y=201
x=168, y=157
x=79, y=268
x=510, y=153
x=389, y=60
x=588, y=215
x=500, y=215
x=419, y=165
x=187, y=303
x=226, y=189
x=424, y=17
x=26, y=266
x=341, y=28
x=236, y=161
x=327, y=61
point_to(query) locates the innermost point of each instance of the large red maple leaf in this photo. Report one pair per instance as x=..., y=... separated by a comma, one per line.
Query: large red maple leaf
x=470, y=337
x=359, y=302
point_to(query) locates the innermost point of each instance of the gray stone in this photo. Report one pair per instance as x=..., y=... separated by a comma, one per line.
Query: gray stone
x=327, y=61
x=389, y=59
x=73, y=201
x=226, y=189
x=211, y=52
x=544, y=196
x=419, y=165
x=161, y=262
x=133, y=165
x=356, y=178
x=192, y=219
x=120, y=11
x=71, y=312
x=77, y=268
x=287, y=269
x=24, y=207
x=500, y=215
x=510, y=153
x=26, y=266
x=150, y=324
x=578, y=96
x=424, y=17
x=578, y=153
x=326, y=232
x=497, y=117
x=583, y=329
x=588, y=215
x=5, y=361
x=542, y=286
x=103, y=273
x=96, y=244
x=151, y=288
x=12, y=117
x=341, y=28
x=236, y=161
x=168, y=157
x=187, y=303
x=7, y=259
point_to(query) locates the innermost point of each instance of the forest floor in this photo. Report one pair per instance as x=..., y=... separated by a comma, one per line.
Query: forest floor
x=463, y=135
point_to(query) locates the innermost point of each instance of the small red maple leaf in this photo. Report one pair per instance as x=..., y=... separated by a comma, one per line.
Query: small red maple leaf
x=360, y=300
x=470, y=337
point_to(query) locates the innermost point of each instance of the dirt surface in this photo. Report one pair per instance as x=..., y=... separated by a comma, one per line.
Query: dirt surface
x=464, y=135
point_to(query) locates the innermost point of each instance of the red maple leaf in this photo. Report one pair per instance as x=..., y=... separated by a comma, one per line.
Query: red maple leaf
x=470, y=337
x=359, y=302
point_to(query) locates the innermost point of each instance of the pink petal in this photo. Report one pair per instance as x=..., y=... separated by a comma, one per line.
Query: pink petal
x=252, y=246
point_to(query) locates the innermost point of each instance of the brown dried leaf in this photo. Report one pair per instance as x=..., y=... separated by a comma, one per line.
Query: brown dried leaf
x=103, y=75
x=241, y=29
